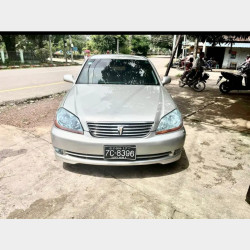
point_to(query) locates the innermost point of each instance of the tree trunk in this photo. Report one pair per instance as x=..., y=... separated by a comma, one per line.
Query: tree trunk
x=10, y=44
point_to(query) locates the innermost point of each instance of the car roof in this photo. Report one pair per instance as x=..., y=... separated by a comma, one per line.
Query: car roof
x=118, y=56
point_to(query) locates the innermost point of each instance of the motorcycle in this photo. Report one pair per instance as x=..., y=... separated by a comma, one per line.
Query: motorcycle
x=208, y=66
x=235, y=81
x=198, y=84
x=211, y=63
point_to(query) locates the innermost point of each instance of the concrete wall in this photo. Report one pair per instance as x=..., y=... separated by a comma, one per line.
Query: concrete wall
x=240, y=56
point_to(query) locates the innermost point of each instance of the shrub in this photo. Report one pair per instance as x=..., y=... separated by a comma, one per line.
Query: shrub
x=42, y=54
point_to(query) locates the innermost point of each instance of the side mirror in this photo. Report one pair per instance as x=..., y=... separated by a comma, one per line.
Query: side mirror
x=69, y=78
x=166, y=80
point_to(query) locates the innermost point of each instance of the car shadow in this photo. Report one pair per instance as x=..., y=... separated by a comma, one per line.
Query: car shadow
x=130, y=172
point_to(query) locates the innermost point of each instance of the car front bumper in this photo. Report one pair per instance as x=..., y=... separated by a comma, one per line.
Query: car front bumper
x=86, y=149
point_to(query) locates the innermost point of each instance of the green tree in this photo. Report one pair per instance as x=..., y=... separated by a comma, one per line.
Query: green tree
x=162, y=41
x=102, y=43
x=140, y=44
x=79, y=41
x=39, y=41
x=10, y=45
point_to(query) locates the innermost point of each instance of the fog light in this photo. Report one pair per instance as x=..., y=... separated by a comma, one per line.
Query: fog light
x=59, y=151
x=177, y=151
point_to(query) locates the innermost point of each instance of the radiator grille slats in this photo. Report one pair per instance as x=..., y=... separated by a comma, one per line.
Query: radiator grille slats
x=138, y=129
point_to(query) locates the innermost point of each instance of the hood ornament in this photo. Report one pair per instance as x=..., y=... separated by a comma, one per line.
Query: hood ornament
x=120, y=130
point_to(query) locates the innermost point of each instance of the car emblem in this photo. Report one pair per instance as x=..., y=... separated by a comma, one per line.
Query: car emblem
x=120, y=130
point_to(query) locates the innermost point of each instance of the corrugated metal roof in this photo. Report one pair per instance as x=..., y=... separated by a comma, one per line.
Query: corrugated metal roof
x=234, y=45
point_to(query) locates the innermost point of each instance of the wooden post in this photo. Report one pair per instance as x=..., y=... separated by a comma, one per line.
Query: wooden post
x=172, y=56
x=196, y=46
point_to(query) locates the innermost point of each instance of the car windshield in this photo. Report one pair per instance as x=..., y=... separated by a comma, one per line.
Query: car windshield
x=118, y=71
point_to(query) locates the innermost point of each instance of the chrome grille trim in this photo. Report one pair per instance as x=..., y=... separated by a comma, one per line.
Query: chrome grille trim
x=101, y=157
x=154, y=156
x=106, y=129
x=84, y=156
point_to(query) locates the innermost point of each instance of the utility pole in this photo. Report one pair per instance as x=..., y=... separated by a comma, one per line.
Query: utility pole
x=176, y=54
x=172, y=56
x=117, y=49
x=196, y=46
x=204, y=47
x=71, y=48
x=184, y=46
x=50, y=50
x=174, y=43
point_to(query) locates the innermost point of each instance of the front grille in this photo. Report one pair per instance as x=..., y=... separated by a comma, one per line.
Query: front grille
x=138, y=129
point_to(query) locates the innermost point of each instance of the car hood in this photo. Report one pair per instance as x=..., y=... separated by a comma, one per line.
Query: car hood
x=118, y=103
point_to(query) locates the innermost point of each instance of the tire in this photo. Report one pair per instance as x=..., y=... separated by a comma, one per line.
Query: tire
x=199, y=86
x=181, y=84
x=224, y=88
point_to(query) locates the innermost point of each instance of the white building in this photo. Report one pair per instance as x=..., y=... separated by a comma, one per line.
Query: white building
x=227, y=55
x=233, y=55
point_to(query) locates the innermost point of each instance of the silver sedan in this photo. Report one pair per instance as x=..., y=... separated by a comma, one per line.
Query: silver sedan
x=118, y=112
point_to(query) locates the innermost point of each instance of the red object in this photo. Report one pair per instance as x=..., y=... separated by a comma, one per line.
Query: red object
x=107, y=51
x=87, y=51
x=189, y=65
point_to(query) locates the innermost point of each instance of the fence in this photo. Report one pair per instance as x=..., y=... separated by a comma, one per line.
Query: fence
x=28, y=57
x=18, y=57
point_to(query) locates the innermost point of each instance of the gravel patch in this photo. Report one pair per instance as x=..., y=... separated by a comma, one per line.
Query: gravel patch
x=32, y=113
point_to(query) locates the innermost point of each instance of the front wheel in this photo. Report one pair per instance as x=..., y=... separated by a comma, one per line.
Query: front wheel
x=199, y=86
x=224, y=88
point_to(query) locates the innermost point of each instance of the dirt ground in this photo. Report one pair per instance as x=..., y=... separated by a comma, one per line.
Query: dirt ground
x=31, y=114
x=209, y=181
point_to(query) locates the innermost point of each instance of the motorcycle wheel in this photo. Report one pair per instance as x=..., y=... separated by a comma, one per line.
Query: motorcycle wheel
x=181, y=83
x=199, y=86
x=224, y=88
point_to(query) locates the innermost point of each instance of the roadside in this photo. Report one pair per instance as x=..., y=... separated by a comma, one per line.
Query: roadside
x=18, y=85
x=54, y=63
x=78, y=61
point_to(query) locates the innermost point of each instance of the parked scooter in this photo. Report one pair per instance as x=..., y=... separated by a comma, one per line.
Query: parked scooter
x=198, y=84
x=179, y=64
x=234, y=81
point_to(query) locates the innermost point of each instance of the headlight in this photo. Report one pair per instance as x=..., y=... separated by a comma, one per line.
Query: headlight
x=170, y=122
x=67, y=121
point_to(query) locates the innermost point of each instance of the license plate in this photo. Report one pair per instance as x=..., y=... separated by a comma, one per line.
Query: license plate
x=120, y=152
